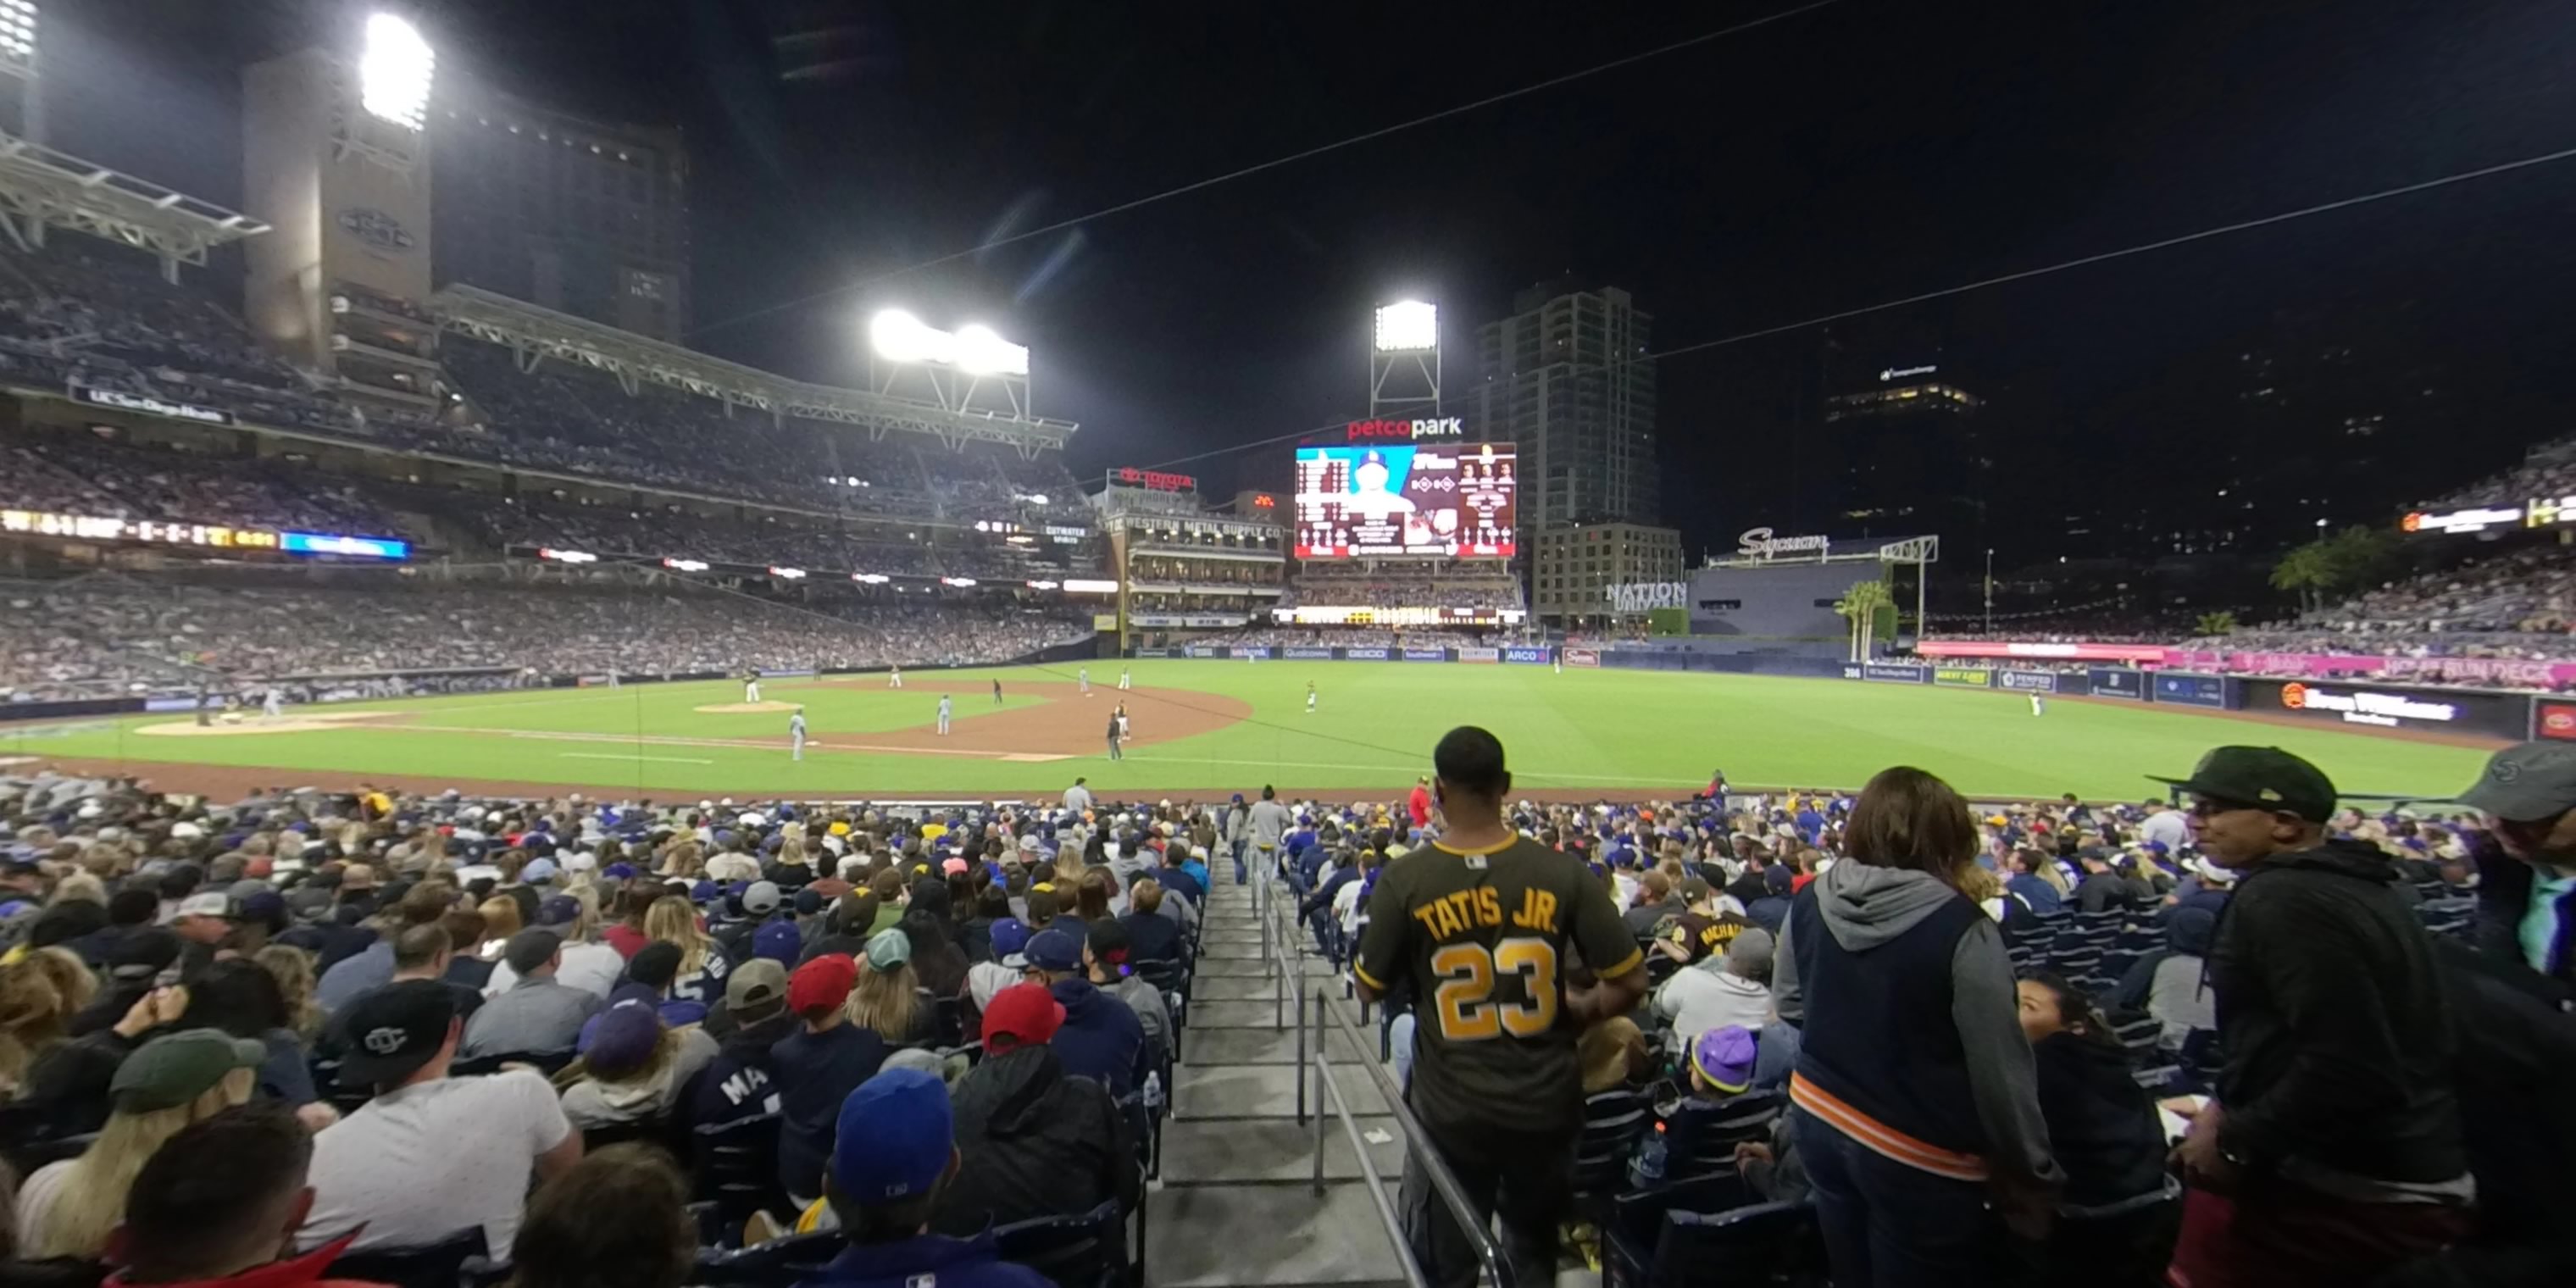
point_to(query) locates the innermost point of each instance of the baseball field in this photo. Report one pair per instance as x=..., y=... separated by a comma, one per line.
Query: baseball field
x=1201, y=727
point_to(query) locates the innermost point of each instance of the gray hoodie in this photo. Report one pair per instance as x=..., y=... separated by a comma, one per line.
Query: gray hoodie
x=1864, y=906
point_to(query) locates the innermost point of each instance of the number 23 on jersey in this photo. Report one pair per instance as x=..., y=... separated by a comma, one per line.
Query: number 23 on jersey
x=1465, y=1003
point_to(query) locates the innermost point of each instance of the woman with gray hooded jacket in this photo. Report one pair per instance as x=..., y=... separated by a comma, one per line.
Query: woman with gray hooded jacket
x=1918, y=1112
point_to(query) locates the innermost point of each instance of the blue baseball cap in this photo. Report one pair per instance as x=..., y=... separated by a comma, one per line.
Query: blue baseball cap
x=1054, y=951
x=619, y=872
x=777, y=941
x=895, y=1138
x=1010, y=939
x=538, y=871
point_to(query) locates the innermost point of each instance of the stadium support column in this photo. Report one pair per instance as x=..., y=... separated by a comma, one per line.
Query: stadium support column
x=332, y=159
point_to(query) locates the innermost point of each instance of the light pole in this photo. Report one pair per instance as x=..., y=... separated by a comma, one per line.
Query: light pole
x=1990, y=590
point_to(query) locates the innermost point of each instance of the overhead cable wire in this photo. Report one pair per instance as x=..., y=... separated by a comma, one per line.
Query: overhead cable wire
x=2000, y=279
x=1200, y=185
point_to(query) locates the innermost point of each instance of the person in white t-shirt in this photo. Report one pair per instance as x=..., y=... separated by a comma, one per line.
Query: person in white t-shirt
x=2168, y=825
x=431, y=1155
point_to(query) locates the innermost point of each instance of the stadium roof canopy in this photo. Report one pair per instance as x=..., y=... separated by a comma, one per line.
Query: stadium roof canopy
x=42, y=188
x=534, y=332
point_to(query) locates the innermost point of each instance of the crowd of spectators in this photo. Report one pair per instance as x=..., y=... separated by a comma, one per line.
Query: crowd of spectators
x=1342, y=636
x=103, y=636
x=2548, y=470
x=1315, y=586
x=424, y=1008
x=89, y=477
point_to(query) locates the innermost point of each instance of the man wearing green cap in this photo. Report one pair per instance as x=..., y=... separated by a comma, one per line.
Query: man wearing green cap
x=2332, y=1148
x=2527, y=877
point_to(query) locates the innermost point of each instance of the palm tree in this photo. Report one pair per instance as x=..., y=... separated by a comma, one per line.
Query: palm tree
x=1861, y=605
x=2222, y=622
x=2304, y=571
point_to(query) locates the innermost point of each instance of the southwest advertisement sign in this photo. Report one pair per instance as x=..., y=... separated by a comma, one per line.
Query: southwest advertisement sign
x=1583, y=657
x=1526, y=653
x=1966, y=677
x=2117, y=682
x=2027, y=681
x=2191, y=689
x=1426, y=655
x=2502, y=715
x=1891, y=673
x=1479, y=655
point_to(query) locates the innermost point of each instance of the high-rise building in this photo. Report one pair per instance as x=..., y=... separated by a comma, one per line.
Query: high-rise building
x=1573, y=567
x=1905, y=457
x=577, y=215
x=1562, y=378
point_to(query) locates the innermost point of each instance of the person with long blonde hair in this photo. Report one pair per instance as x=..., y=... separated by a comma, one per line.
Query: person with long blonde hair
x=703, y=965
x=68, y=1209
x=887, y=997
x=33, y=1015
x=293, y=971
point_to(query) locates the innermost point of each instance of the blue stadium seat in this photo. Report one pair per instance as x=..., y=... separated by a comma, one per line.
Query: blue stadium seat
x=1086, y=1251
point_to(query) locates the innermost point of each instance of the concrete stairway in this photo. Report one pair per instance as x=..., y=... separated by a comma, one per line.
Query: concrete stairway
x=1235, y=1204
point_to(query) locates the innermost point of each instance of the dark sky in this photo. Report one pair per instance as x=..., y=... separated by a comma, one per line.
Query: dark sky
x=1869, y=150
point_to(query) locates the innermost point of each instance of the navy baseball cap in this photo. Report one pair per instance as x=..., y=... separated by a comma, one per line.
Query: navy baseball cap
x=1054, y=951
x=895, y=1138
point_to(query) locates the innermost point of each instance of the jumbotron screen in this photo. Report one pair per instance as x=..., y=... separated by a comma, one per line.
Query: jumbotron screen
x=1364, y=501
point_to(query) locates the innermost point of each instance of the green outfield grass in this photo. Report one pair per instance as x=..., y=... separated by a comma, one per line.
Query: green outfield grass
x=1609, y=730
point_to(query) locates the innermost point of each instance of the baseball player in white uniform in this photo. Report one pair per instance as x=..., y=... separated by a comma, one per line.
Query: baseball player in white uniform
x=1125, y=681
x=2038, y=705
x=751, y=688
x=273, y=707
x=796, y=733
x=1084, y=676
x=894, y=678
x=1310, y=697
x=945, y=707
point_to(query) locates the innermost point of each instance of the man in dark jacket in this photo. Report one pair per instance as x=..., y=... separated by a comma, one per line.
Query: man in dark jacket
x=1101, y=1039
x=2333, y=1147
x=1032, y=1141
x=2527, y=861
x=738, y=1084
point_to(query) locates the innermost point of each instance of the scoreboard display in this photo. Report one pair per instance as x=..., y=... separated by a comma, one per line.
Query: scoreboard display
x=1406, y=501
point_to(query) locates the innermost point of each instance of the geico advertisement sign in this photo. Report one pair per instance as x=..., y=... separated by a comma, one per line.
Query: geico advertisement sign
x=2362, y=706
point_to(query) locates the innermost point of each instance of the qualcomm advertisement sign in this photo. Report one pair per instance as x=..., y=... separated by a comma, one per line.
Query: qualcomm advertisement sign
x=1308, y=653
x=2361, y=706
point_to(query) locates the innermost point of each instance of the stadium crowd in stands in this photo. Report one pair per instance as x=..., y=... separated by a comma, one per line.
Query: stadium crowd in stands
x=392, y=1016
x=108, y=634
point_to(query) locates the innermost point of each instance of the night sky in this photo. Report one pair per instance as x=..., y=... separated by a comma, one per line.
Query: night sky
x=1865, y=151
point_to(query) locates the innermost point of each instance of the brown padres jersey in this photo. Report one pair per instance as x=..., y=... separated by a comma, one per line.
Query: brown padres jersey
x=1483, y=938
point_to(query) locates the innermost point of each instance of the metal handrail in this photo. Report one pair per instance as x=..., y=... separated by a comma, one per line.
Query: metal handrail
x=1420, y=1152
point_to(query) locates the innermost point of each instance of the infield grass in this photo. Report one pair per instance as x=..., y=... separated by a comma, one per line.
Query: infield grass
x=1610, y=730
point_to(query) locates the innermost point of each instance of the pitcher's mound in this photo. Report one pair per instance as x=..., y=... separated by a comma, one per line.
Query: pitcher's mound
x=744, y=708
x=301, y=722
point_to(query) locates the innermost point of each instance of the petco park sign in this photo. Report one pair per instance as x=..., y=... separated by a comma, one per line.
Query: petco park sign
x=1640, y=596
x=1758, y=543
x=1371, y=431
x=2361, y=706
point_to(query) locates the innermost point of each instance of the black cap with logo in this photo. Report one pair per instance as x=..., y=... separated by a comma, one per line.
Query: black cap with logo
x=2263, y=778
x=2528, y=782
x=395, y=1030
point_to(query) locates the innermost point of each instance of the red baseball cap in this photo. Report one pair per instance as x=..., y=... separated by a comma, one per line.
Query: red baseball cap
x=823, y=983
x=1027, y=1014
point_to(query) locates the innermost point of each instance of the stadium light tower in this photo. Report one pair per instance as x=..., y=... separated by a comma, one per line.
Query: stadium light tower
x=394, y=72
x=22, y=114
x=972, y=368
x=1404, y=361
